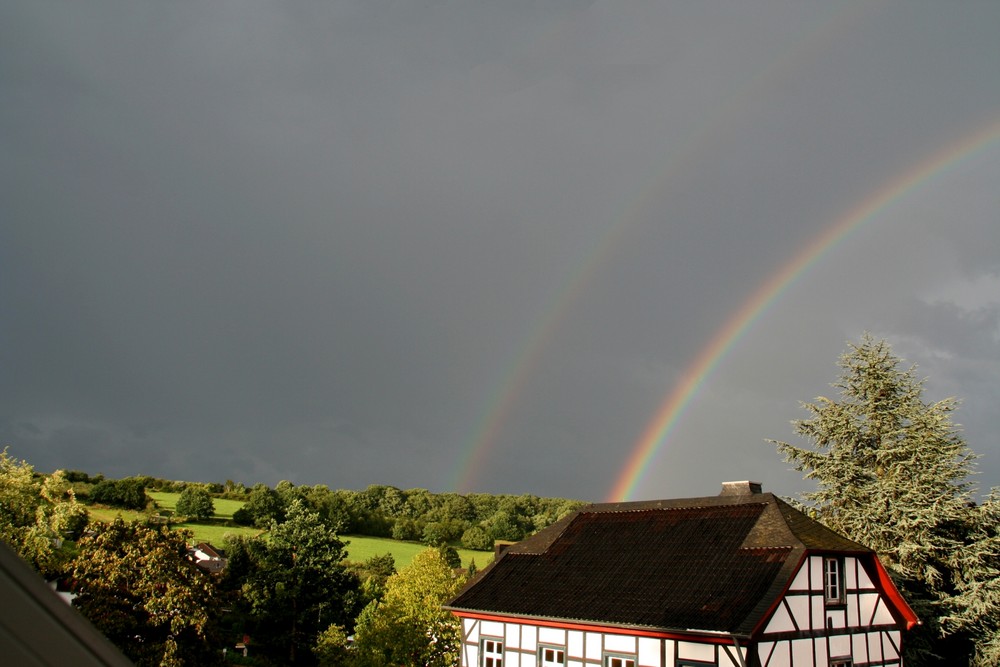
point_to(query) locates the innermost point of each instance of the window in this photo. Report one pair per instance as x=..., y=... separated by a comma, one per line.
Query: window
x=833, y=580
x=492, y=652
x=619, y=661
x=551, y=656
x=841, y=662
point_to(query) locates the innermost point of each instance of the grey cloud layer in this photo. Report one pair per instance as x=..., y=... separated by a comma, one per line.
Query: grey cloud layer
x=256, y=241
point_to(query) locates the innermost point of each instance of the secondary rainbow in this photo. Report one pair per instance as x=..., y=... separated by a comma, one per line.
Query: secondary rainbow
x=655, y=434
x=711, y=131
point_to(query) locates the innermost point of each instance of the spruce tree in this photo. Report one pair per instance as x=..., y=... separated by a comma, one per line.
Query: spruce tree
x=892, y=472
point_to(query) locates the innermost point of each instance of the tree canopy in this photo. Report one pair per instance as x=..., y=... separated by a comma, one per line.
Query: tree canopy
x=892, y=472
x=293, y=583
x=137, y=586
x=195, y=503
x=35, y=515
x=408, y=627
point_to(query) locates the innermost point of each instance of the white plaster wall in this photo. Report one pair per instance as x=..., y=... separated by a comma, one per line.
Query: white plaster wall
x=669, y=652
x=693, y=651
x=874, y=646
x=470, y=656
x=866, y=602
x=553, y=636
x=840, y=645
x=850, y=569
x=816, y=569
x=819, y=648
x=491, y=628
x=819, y=618
x=764, y=650
x=620, y=644
x=859, y=648
x=574, y=645
x=512, y=638
x=470, y=628
x=882, y=615
x=780, y=621
x=801, y=580
x=888, y=648
x=864, y=581
x=649, y=652
x=594, y=646
x=802, y=652
x=725, y=660
x=838, y=618
x=529, y=637
x=799, y=604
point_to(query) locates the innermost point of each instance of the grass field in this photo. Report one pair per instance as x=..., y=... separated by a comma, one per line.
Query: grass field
x=224, y=507
x=363, y=547
x=359, y=548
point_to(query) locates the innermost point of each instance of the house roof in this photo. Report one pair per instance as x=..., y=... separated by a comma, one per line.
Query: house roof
x=714, y=564
x=37, y=627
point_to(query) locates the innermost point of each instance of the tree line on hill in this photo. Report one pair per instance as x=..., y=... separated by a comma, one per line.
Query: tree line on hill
x=474, y=520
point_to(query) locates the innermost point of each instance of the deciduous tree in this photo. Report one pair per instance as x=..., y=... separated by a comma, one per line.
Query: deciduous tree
x=136, y=584
x=129, y=493
x=408, y=627
x=35, y=515
x=263, y=506
x=195, y=503
x=294, y=582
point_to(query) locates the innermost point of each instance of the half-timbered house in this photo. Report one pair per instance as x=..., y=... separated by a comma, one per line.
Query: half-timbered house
x=736, y=580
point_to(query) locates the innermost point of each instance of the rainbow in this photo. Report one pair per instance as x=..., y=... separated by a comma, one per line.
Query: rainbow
x=655, y=434
x=710, y=131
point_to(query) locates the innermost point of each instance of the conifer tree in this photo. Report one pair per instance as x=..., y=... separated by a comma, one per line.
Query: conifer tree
x=892, y=473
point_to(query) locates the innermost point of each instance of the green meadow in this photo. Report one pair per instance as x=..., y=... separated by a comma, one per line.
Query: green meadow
x=359, y=547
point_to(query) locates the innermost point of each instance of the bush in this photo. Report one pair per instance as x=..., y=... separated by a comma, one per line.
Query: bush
x=243, y=517
x=331, y=648
x=477, y=538
x=195, y=503
x=127, y=493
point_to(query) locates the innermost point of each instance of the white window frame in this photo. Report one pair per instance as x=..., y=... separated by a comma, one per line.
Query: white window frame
x=833, y=579
x=558, y=655
x=620, y=660
x=490, y=652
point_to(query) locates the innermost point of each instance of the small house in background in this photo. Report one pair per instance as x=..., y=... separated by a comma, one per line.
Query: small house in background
x=736, y=580
x=207, y=558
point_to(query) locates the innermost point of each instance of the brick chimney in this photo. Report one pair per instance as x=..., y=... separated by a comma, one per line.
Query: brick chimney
x=745, y=488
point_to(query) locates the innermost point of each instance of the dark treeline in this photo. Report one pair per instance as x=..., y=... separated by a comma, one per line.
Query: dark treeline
x=474, y=520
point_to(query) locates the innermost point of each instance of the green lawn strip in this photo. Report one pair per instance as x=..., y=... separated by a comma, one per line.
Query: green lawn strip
x=360, y=547
x=224, y=507
x=109, y=514
x=215, y=534
x=363, y=547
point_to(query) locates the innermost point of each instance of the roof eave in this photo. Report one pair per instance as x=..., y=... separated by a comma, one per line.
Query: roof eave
x=714, y=636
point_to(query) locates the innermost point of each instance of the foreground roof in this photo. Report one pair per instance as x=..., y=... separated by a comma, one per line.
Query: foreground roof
x=714, y=564
x=37, y=627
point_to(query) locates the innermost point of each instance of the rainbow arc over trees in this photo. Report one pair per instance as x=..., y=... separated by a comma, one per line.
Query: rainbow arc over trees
x=710, y=132
x=659, y=428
